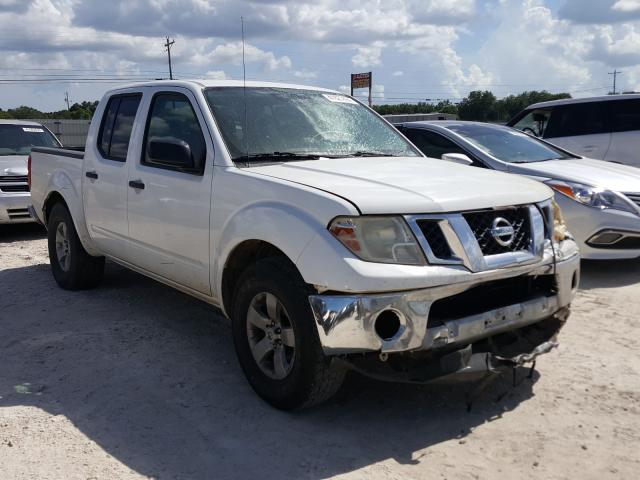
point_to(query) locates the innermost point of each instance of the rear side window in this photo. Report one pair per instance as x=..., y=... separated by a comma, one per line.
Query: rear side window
x=624, y=115
x=116, y=127
x=172, y=118
x=577, y=119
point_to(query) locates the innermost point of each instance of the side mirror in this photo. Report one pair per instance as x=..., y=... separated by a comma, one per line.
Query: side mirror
x=460, y=158
x=171, y=152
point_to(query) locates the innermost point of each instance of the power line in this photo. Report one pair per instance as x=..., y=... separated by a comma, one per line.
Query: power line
x=168, y=48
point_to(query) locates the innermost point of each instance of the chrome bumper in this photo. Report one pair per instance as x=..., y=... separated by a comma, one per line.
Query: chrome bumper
x=346, y=323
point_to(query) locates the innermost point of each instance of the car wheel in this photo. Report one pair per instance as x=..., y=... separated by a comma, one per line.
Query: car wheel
x=276, y=340
x=73, y=268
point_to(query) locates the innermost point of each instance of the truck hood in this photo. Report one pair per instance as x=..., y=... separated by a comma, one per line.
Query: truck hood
x=409, y=184
x=13, y=165
x=597, y=173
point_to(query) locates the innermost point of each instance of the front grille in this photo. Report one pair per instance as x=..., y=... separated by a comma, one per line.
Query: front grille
x=435, y=238
x=14, y=188
x=13, y=183
x=481, y=223
x=490, y=296
x=16, y=213
x=634, y=197
x=13, y=179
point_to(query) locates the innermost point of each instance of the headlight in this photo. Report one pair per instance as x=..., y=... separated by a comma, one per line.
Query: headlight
x=378, y=239
x=560, y=231
x=592, y=196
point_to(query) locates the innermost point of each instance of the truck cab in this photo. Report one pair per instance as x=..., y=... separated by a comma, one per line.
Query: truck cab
x=324, y=235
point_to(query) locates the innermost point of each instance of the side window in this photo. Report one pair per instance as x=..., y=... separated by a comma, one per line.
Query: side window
x=432, y=144
x=534, y=122
x=624, y=115
x=173, y=124
x=576, y=119
x=117, y=123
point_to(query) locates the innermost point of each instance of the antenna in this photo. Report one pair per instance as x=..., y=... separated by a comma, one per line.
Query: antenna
x=244, y=93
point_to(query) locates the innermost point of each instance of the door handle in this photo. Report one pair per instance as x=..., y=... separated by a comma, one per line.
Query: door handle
x=93, y=175
x=137, y=184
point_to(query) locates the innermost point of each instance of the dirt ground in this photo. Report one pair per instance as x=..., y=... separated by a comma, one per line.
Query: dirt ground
x=134, y=380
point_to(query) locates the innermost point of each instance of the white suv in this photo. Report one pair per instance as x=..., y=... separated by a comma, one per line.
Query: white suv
x=604, y=128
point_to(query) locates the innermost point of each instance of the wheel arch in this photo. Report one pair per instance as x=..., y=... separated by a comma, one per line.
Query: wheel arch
x=242, y=256
x=54, y=197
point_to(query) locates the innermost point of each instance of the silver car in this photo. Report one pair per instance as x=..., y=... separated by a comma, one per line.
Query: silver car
x=600, y=200
x=16, y=139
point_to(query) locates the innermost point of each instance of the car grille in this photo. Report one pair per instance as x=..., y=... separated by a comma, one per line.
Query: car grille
x=435, y=238
x=13, y=183
x=634, y=197
x=481, y=223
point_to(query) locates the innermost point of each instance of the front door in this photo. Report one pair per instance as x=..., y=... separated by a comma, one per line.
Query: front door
x=105, y=175
x=168, y=204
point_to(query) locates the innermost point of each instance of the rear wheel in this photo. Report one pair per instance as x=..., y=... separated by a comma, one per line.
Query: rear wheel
x=276, y=340
x=72, y=267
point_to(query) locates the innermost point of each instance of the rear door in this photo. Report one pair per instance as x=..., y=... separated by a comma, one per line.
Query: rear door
x=104, y=184
x=168, y=207
x=581, y=128
x=624, y=116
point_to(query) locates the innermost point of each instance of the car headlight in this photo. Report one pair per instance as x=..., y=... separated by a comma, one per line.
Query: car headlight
x=592, y=196
x=378, y=239
x=560, y=231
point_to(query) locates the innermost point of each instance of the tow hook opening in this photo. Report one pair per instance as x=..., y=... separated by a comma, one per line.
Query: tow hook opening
x=388, y=325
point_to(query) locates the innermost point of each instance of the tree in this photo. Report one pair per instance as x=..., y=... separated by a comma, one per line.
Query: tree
x=479, y=106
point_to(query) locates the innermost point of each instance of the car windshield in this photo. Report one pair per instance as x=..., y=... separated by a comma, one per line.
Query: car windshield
x=18, y=139
x=507, y=144
x=285, y=124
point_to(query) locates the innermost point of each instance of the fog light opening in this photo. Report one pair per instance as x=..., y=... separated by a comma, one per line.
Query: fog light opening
x=606, y=238
x=387, y=325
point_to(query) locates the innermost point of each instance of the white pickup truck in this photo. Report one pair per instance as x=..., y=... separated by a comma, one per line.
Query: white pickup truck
x=320, y=231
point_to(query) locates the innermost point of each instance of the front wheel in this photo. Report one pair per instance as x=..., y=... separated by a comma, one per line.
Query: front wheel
x=72, y=267
x=276, y=340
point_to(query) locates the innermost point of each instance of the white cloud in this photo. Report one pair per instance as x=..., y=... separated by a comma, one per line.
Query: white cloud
x=231, y=53
x=397, y=73
x=368, y=56
x=305, y=74
x=626, y=5
x=217, y=75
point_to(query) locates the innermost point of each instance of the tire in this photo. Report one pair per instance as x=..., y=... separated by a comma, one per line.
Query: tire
x=72, y=267
x=306, y=376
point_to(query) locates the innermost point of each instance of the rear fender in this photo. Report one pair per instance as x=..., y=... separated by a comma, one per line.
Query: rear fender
x=61, y=184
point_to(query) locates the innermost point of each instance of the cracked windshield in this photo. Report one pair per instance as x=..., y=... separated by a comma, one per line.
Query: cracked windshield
x=289, y=124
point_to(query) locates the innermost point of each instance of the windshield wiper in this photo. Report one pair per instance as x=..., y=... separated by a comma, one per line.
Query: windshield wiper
x=364, y=153
x=276, y=156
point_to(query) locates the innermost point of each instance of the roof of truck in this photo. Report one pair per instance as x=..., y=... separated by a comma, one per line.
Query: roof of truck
x=222, y=83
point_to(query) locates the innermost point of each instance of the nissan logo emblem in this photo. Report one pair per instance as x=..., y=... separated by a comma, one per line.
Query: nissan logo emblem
x=502, y=231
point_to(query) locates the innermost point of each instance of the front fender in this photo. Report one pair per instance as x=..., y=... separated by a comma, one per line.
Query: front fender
x=284, y=226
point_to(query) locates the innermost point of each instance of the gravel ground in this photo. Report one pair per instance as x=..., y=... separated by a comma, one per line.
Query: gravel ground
x=134, y=380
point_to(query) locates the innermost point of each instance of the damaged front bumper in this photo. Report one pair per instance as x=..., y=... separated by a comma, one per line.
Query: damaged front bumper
x=449, y=317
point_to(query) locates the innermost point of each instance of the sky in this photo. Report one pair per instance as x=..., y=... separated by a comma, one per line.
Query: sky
x=416, y=49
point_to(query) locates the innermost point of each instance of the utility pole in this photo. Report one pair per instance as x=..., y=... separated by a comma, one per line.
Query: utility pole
x=66, y=99
x=168, y=47
x=615, y=73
